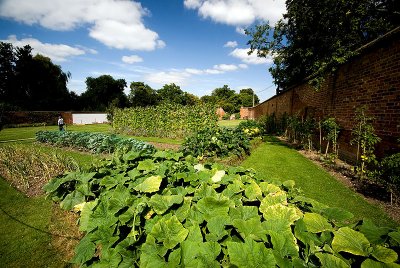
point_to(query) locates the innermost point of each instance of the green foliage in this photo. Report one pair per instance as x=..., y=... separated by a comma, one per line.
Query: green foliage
x=316, y=37
x=251, y=128
x=93, y=142
x=331, y=131
x=165, y=120
x=274, y=125
x=32, y=82
x=217, y=142
x=365, y=138
x=142, y=95
x=102, y=92
x=163, y=210
x=390, y=171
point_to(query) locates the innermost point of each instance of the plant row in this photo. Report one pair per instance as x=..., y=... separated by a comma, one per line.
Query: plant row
x=93, y=142
x=28, y=168
x=363, y=138
x=222, y=142
x=165, y=120
x=163, y=210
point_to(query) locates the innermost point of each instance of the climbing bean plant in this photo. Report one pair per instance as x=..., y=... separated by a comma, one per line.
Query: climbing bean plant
x=165, y=120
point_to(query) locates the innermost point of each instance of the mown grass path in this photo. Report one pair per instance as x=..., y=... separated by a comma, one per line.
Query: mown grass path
x=275, y=160
x=25, y=237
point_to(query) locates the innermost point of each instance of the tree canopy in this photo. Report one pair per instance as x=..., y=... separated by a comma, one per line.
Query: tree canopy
x=314, y=37
x=102, y=91
x=31, y=82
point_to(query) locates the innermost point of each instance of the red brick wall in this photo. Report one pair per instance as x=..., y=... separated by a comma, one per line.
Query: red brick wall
x=371, y=79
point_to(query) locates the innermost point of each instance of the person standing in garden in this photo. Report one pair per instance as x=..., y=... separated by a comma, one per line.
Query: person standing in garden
x=60, y=123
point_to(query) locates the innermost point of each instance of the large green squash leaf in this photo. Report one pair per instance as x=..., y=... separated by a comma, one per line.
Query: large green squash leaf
x=84, y=251
x=152, y=254
x=348, y=240
x=275, y=198
x=253, y=191
x=251, y=228
x=383, y=254
x=337, y=214
x=315, y=223
x=250, y=254
x=284, y=243
x=200, y=254
x=118, y=199
x=71, y=200
x=147, y=165
x=279, y=217
x=329, y=260
x=87, y=211
x=150, y=184
x=170, y=232
x=369, y=263
x=373, y=233
x=244, y=212
x=211, y=206
x=216, y=226
x=161, y=203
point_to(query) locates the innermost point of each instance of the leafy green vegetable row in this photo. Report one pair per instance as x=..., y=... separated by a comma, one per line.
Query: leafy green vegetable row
x=93, y=142
x=163, y=210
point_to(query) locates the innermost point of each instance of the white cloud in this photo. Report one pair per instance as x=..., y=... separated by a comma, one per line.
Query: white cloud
x=226, y=67
x=243, y=66
x=241, y=53
x=194, y=71
x=239, y=12
x=240, y=30
x=56, y=52
x=162, y=78
x=116, y=23
x=231, y=44
x=132, y=59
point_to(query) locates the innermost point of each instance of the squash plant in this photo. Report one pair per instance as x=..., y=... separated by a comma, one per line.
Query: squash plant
x=165, y=210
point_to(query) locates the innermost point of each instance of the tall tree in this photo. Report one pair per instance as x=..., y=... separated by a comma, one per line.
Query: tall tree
x=103, y=90
x=7, y=71
x=171, y=93
x=314, y=37
x=248, y=98
x=142, y=95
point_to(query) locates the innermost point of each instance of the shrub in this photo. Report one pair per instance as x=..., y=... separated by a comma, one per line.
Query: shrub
x=251, y=128
x=390, y=170
x=217, y=142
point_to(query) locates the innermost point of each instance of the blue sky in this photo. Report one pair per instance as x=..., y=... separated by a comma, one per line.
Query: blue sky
x=196, y=44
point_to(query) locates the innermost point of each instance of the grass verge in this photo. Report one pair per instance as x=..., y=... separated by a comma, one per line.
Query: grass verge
x=229, y=123
x=275, y=160
x=25, y=237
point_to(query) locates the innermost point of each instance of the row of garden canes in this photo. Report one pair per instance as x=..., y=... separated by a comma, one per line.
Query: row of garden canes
x=385, y=171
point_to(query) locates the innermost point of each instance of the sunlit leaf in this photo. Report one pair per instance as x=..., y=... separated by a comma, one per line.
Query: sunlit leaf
x=348, y=240
x=150, y=185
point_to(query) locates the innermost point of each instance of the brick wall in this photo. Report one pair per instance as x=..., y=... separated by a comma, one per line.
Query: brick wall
x=372, y=79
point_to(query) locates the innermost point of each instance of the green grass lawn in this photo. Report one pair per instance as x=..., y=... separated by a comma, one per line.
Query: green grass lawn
x=25, y=238
x=274, y=160
x=229, y=123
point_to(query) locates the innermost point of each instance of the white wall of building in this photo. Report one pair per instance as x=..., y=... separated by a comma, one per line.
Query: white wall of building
x=89, y=118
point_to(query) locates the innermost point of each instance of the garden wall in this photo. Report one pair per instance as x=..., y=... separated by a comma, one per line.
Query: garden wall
x=372, y=79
